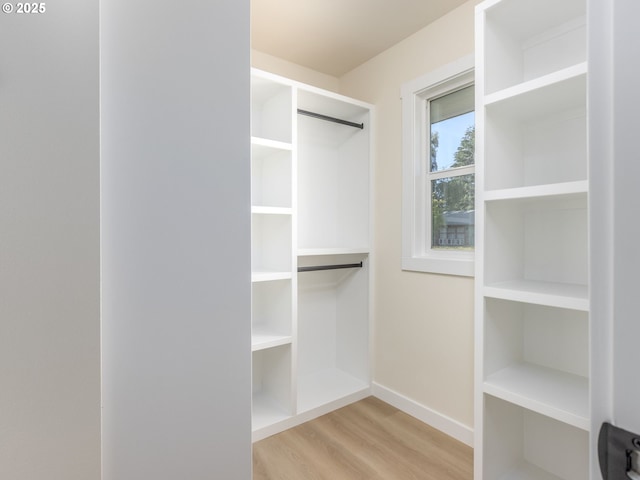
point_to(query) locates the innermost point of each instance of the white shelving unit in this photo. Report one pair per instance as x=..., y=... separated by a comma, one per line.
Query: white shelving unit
x=273, y=250
x=532, y=276
x=310, y=208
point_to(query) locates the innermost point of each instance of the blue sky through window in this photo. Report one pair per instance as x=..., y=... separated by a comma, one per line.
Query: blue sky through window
x=450, y=133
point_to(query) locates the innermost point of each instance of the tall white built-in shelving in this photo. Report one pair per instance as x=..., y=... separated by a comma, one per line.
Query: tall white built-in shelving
x=532, y=288
x=310, y=208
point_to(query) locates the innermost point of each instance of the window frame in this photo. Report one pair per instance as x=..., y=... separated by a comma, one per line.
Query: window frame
x=416, y=183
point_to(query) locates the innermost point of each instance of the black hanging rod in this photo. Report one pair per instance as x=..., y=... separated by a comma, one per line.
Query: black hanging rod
x=331, y=119
x=329, y=267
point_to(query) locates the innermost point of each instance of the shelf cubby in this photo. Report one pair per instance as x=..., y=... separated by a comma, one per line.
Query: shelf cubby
x=271, y=109
x=523, y=445
x=522, y=41
x=551, y=294
x=273, y=398
x=271, y=173
x=543, y=241
x=333, y=323
x=333, y=175
x=271, y=314
x=538, y=357
x=271, y=243
x=538, y=136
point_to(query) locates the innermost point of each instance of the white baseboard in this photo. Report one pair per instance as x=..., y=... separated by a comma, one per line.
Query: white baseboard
x=447, y=425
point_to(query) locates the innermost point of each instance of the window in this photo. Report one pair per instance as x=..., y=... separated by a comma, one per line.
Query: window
x=438, y=171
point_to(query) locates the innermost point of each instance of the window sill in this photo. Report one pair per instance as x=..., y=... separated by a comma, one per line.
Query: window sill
x=463, y=267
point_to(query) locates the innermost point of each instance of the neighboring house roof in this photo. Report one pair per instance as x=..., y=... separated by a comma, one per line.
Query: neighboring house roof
x=460, y=218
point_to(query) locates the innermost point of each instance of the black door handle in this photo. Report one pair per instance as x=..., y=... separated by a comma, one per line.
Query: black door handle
x=618, y=453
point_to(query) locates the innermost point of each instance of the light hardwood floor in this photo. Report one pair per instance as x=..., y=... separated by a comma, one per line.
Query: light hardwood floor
x=368, y=440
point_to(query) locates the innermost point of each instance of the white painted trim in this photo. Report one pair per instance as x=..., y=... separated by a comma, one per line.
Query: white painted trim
x=414, y=230
x=437, y=420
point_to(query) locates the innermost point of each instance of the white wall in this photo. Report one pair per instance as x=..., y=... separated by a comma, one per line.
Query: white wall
x=287, y=69
x=423, y=335
x=176, y=240
x=49, y=244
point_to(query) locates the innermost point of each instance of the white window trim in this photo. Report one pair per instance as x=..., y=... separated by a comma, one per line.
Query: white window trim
x=414, y=100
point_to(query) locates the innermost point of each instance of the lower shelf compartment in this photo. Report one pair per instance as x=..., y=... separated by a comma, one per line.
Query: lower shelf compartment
x=266, y=412
x=272, y=386
x=559, y=395
x=520, y=444
x=527, y=471
x=320, y=388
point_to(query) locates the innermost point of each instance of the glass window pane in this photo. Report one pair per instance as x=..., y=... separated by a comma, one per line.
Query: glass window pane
x=452, y=130
x=452, y=213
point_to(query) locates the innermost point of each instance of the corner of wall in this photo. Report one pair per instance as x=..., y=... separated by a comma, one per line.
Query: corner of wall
x=279, y=66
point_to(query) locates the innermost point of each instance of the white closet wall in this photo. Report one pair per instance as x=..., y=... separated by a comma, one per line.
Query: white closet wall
x=50, y=243
x=175, y=226
x=310, y=207
x=532, y=276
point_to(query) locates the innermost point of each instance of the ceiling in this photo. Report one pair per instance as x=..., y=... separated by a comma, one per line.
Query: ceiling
x=335, y=36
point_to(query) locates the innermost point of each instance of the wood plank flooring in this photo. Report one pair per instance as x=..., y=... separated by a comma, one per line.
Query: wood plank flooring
x=368, y=440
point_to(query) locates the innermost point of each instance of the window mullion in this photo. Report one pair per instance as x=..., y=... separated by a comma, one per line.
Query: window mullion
x=453, y=172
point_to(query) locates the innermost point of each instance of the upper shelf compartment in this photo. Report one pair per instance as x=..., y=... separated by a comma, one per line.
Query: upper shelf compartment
x=271, y=174
x=537, y=134
x=523, y=41
x=337, y=107
x=333, y=173
x=271, y=109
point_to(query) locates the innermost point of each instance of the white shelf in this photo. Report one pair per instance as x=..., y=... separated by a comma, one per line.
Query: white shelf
x=528, y=471
x=268, y=276
x=575, y=73
x=262, y=338
x=551, y=294
x=331, y=104
x=320, y=388
x=266, y=412
x=263, y=210
x=538, y=191
x=541, y=97
x=269, y=145
x=558, y=395
x=313, y=252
